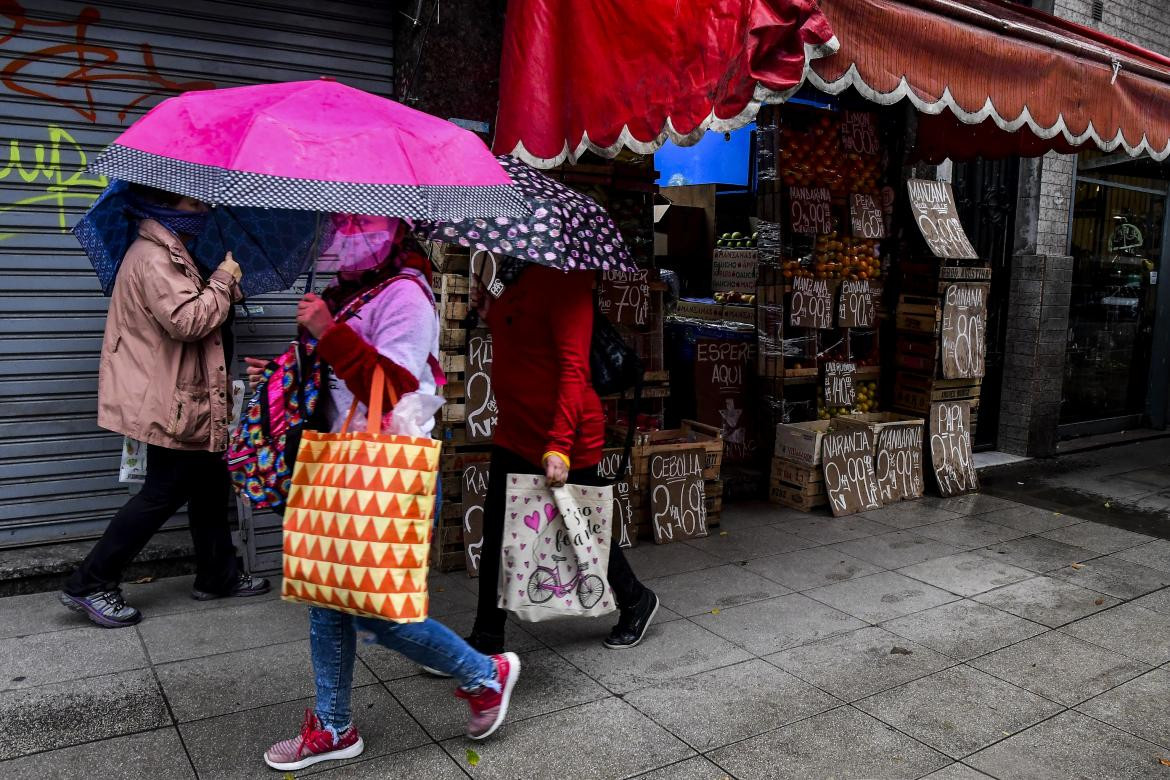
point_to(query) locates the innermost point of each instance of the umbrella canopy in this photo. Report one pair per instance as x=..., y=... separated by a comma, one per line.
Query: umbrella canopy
x=311, y=145
x=272, y=246
x=563, y=228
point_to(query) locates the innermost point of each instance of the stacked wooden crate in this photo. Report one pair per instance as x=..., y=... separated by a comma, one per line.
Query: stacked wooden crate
x=797, y=479
x=919, y=381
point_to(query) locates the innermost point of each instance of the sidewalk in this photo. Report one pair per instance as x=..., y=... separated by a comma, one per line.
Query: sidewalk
x=790, y=646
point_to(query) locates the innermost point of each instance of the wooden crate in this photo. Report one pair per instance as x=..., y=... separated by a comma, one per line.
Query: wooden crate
x=914, y=394
x=689, y=434
x=795, y=498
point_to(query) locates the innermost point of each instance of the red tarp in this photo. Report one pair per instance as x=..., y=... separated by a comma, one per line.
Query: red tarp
x=606, y=74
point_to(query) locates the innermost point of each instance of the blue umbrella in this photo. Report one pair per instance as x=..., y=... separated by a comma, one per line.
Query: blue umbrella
x=272, y=246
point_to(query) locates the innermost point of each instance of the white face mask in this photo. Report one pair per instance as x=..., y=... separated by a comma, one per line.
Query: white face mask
x=352, y=252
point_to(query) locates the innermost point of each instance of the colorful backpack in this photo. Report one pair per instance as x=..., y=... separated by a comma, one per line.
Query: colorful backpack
x=263, y=446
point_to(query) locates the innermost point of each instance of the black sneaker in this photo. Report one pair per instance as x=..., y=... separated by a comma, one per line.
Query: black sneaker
x=633, y=623
x=488, y=644
x=246, y=585
x=108, y=608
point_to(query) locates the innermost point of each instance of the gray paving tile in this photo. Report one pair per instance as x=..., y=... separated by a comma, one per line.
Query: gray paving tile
x=449, y=596
x=860, y=663
x=1140, y=707
x=1047, y=601
x=1156, y=478
x=910, y=514
x=1060, y=667
x=966, y=573
x=1158, y=601
x=145, y=756
x=715, y=708
x=676, y=649
x=969, y=532
x=1103, y=538
x=895, y=550
x=958, y=710
x=246, y=679
x=827, y=530
x=36, y=613
x=963, y=629
x=1029, y=519
x=577, y=631
x=750, y=543
x=970, y=504
x=741, y=515
x=1115, y=576
x=1072, y=745
x=38, y=659
x=806, y=569
x=843, y=743
x=660, y=560
x=390, y=665
x=697, y=768
x=609, y=737
x=696, y=592
x=240, y=625
x=428, y=761
x=64, y=714
x=1037, y=554
x=882, y=596
x=1154, y=554
x=956, y=771
x=433, y=704
x=171, y=595
x=232, y=746
x=1130, y=630
x=779, y=623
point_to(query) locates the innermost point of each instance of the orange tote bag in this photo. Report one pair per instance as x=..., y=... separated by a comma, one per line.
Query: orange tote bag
x=357, y=529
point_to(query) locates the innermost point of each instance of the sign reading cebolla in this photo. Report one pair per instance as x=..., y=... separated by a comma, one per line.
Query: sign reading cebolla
x=933, y=206
x=678, y=499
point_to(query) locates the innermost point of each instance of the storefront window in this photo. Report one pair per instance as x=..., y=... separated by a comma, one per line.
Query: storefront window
x=1116, y=247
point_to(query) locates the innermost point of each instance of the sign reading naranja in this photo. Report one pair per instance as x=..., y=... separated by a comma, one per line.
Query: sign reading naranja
x=847, y=462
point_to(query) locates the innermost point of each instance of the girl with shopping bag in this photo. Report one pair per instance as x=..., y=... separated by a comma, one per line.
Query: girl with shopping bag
x=388, y=352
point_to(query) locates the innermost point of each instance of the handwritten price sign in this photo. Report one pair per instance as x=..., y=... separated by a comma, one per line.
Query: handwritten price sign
x=933, y=205
x=839, y=387
x=811, y=305
x=624, y=297
x=678, y=500
x=950, y=448
x=809, y=209
x=859, y=133
x=964, y=328
x=857, y=304
x=867, y=216
x=850, y=480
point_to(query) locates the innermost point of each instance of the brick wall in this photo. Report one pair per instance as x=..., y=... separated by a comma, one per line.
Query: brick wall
x=1144, y=22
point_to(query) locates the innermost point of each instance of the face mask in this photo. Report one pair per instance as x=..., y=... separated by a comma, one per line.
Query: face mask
x=352, y=252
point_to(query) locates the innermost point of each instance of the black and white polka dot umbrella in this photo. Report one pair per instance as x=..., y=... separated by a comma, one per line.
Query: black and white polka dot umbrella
x=564, y=229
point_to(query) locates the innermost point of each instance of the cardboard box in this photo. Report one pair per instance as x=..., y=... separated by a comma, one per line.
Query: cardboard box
x=801, y=442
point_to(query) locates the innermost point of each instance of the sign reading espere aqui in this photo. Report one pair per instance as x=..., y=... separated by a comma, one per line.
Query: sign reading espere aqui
x=847, y=462
x=950, y=448
x=678, y=500
x=964, y=328
x=933, y=207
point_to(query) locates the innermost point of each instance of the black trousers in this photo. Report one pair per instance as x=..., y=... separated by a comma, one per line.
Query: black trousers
x=489, y=618
x=173, y=478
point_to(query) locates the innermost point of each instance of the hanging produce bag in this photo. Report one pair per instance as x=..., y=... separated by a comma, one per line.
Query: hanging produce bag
x=357, y=530
x=556, y=550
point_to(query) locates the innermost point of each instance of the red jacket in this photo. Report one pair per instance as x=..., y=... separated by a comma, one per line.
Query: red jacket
x=542, y=328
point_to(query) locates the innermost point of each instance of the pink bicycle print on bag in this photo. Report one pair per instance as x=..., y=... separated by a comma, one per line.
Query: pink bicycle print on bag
x=546, y=582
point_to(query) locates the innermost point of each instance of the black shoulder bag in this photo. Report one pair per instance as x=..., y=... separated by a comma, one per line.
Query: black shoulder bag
x=616, y=368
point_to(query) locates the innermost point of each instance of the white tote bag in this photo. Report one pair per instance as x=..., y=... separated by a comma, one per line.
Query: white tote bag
x=556, y=550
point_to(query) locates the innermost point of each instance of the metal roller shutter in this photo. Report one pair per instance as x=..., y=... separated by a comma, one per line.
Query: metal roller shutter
x=73, y=76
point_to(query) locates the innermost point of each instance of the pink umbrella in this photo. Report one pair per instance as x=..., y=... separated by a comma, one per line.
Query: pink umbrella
x=312, y=145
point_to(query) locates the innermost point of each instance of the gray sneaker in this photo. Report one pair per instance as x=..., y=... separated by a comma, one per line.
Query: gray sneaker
x=108, y=608
x=246, y=585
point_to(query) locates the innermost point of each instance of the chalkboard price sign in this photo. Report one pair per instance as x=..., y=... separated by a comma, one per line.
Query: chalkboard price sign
x=809, y=209
x=625, y=525
x=678, y=501
x=857, y=304
x=964, y=325
x=898, y=462
x=624, y=297
x=480, y=412
x=475, y=484
x=721, y=390
x=867, y=216
x=811, y=305
x=839, y=388
x=847, y=462
x=950, y=448
x=933, y=206
x=859, y=133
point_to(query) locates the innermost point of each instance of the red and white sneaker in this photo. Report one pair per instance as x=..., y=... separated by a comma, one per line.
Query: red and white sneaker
x=315, y=744
x=488, y=707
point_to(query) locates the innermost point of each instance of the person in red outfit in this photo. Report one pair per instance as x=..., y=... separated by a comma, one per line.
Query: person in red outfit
x=550, y=422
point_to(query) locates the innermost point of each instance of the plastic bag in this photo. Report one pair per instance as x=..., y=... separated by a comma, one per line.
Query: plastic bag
x=412, y=412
